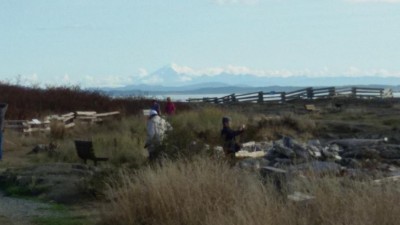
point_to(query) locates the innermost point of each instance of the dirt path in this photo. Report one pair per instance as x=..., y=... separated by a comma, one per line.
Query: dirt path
x=16, y=211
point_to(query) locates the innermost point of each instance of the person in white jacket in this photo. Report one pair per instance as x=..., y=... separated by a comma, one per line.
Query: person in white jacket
x=156, y=129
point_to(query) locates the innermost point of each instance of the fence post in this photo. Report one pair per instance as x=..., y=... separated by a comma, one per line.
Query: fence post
x=332, y=92
x=233, y=98
x=354, y=92
x=381, y=93
x=260, y=97
x=310, y=93
x=216, y=100
x=283, y=97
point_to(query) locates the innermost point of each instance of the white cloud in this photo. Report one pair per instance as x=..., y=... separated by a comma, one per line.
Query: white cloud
x=106, y=81
x=230, y=2
x=375, y=1
x=142, y=72
x=353, y=71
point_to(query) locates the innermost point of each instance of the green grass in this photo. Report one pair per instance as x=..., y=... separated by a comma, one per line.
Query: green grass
x=61, y=220
x=16, y=191
x=62, y=216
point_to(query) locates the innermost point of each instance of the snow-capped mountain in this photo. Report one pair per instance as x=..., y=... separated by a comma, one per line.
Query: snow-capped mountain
x=178, y=76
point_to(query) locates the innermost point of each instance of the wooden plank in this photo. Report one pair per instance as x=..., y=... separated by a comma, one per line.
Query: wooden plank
x=146, y=112
x=86, y=117
x=108, y=114
x=247, y=154
x=85, y=113
x=300, y=197
x=68, y=115
x=273, y=169
x=65, y=119
x=70, y=125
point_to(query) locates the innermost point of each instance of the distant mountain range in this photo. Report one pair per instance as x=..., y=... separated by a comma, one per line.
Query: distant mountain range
x=169, y=80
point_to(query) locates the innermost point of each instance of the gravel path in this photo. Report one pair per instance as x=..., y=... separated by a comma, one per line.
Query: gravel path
x=16, y=211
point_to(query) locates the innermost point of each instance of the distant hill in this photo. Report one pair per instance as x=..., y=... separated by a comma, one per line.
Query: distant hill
x=173, y=79
x=226, y=89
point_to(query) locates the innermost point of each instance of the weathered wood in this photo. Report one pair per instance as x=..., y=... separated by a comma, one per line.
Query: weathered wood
x=247, y=154
x=347, y=143
x=307, y=93
x=273, y=169
x=300, y=197
x=68, y=114
x=85, y=113
x=70, y=125
x=108, y=114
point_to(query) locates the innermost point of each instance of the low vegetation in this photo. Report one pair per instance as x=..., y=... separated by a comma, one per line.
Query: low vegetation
x=206, y=191
x=35, y=102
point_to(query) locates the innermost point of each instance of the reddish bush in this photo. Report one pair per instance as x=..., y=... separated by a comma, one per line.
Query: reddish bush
x=33, y=102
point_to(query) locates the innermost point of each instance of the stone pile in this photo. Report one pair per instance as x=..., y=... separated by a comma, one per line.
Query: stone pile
x=334, y=156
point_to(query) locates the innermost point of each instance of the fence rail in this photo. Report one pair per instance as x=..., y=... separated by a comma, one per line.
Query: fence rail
x=67, y=120
x=305, y=93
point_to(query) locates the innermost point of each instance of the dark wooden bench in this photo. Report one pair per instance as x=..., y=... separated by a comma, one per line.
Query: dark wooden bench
x=85, y=151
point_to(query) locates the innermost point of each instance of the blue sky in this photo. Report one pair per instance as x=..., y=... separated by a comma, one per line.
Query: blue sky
x=112, y=43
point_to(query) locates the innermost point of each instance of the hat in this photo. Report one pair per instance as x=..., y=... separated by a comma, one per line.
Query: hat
x=225, y=119
x=153, y=112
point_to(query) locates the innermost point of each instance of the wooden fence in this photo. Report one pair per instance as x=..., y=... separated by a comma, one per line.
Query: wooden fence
x=68, y=120
x=306, y=93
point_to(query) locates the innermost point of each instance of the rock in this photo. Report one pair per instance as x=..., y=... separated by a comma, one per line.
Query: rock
x=316, y=168
x=328, y=154
x=314, y=151
x=362, y=153
x=335, y=148
x=392, y=161
x=351, y=163
x=283, y=161
x=301, y=152
x=249, y=146
x=314, y=143
x=390, y=153
x=252, y=163
x=280, y=148
x=44, y=148
x=351, y=143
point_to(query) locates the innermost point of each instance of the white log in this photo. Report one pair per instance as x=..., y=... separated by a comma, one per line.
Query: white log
x=107, y=114
x=85, y=113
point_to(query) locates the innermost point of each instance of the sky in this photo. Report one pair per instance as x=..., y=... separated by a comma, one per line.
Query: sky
x=119, y=42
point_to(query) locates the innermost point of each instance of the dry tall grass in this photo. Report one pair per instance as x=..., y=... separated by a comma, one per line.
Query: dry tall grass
x=209, y=192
